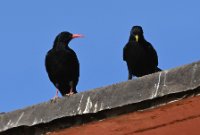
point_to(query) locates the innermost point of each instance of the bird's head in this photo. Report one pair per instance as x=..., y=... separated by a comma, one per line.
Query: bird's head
x=65, y=37
x=136, y=33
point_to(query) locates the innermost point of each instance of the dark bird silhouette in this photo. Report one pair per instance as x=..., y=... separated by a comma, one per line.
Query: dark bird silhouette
x=140, y=56
x=62, y=64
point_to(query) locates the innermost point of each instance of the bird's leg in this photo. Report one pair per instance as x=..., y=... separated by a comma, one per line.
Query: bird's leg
x=129, y=76
x=56, y=96
x=71, y=92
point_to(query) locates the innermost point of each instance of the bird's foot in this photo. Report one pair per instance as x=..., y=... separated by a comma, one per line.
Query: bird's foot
x=70, y=93
x=54, y=98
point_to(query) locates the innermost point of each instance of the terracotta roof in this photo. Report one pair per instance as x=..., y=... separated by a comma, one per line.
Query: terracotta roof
x=178, y=118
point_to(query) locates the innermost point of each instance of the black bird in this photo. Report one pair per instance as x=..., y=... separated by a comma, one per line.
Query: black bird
x=62, y=64
x=139, y=54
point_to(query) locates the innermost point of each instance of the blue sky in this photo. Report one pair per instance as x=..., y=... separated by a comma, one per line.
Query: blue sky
x=28, y=29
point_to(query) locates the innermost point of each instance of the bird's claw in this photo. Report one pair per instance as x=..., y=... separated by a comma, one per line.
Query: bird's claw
x=70, y=93
x=54, y=98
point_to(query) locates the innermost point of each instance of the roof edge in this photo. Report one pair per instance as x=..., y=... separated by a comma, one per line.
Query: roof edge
x=142, y=93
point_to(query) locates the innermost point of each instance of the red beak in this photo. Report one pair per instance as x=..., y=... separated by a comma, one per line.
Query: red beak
x=77, y=35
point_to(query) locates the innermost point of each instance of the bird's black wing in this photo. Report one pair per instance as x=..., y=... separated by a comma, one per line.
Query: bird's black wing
x=152, y=54
x=62, y=66
x=50, y=66
x=125, y=49
x=74, y=65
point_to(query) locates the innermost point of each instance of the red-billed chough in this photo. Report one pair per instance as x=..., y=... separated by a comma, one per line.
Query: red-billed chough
x=62, y=64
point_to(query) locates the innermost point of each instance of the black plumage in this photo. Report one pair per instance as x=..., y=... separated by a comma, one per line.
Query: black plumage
x=139, y=54
x=62, y=64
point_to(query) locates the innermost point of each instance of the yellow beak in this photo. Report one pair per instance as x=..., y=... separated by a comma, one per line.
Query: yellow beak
x=136, y=38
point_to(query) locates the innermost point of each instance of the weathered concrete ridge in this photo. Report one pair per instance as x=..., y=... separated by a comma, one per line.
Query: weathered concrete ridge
x=106, y=99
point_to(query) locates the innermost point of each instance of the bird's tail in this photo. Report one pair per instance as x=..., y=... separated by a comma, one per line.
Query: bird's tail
x=158, y=69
